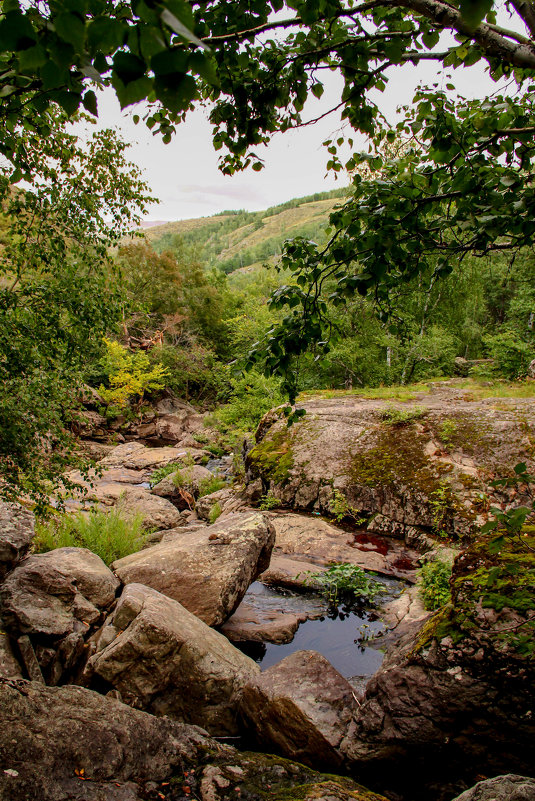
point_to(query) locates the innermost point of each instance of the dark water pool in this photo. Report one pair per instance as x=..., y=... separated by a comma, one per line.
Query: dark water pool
x=340, y=634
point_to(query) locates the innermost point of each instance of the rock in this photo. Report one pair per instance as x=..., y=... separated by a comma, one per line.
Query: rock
x=290, y=573
x=9, y=665
x=57, y=737
x=228, y=500
x=302, y=707
x=57, y=593
x=313, y=540
x=208, y=570
x=187, y=478
x=135, y=456
x=16, y=535
x=163, y=659
x=501, y=788
x=443, y=455
x=71, y=744
x=460, y=686
x=156, y=512
x=250, y=624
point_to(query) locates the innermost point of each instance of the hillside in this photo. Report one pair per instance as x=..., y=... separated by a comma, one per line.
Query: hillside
x=237, y=239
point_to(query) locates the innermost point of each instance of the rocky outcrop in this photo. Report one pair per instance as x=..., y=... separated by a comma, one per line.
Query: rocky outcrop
x=227, y=500
x=71, y=744
x=456, y=694
x=314, y=540
x=51, y=602
x=302, y=707
x=422, y=463
x=208, y=570
x=16, y=535
x=189, y=479
x=163, y=659
x=501, y=788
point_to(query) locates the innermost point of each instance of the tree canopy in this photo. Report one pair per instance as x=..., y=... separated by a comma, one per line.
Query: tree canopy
x=457, y=181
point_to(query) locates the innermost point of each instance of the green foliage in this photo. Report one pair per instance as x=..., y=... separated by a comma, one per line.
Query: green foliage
x=344, y=581
x=341, y=510
x=111, y=535
x=512, y=355
x=398, y=417
x=446, y=431
x=130, y=376
x=161, y=472
x=272, y=458
x=214, y=513
x=252, y=396
x=210, y=485
x=269, y=501
x=435, y=584
x=57, y=293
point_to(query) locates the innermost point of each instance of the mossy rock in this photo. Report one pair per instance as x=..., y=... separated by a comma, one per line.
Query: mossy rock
x=272, y=458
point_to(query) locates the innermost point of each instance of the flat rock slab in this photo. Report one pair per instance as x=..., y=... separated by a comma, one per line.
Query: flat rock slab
x=208, y=570
x=57, y=593
x=136, y=456
x=163, y=659
x=315, y=541
x=302, y=707
x=16, y=534
x=294, y=574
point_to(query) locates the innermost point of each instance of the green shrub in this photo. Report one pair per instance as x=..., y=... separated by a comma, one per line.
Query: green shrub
x=268, y=502
x=344, y=581
x=512, y=356
x=162, y=472
x=435, y=584
x=341, y=510
x=214, y=513
x=110, y=535
x=209, y=485
x=252, y=396
x=129, y=376
x=397, y=417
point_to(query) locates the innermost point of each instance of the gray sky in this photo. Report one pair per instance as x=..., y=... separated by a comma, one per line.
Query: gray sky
x=184, y=174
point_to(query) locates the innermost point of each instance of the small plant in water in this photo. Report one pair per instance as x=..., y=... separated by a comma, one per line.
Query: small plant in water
x=435, y=584
x=111, y=535
x=344, y=581
x=268, y=502
x=341, y=510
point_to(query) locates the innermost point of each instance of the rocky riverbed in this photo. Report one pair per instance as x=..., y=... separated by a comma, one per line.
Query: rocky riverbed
x=115, y=681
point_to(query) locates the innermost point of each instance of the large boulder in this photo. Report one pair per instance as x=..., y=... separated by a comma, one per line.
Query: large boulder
x=189, y=479
x=453, y=699
x=50, y=593
x=135, y=456
x=421, y=463
x=51, y=603
x=71, y=744
x=208, y=570
x=302, y=707
x=226, y=500
x=163, y=659
x=16, y=535
x=501, y=788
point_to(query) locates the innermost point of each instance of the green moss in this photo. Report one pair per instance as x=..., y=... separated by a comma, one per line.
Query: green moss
x=272, y=458
x=461, y=431
x=490, y=579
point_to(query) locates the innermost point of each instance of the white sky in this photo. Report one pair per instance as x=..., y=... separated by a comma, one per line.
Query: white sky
x=184, y=173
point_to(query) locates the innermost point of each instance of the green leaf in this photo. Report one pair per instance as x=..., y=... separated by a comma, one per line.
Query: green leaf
x=175, y=95
x=132, y=92
x=128, y=67
x=32, y=58
x=205, y=66
x=105, y=34
x=473, y=11
x=170, y=62
x=71, y=29
x=317, y=90
x=89, y=101
x=178, y=27
x=69, y=101
x=16, y=32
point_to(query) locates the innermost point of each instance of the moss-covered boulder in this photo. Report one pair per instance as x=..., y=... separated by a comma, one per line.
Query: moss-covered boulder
x=425, y=463
x=455, y=699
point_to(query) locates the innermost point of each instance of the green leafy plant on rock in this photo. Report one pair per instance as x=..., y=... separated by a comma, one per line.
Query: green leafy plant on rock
x=344, y=581
x=214, y=513
x=341, y=510
x=269, y=501
x=398, y=417
x=435, y=584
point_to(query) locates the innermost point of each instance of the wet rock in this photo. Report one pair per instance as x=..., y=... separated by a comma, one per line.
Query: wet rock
x=314, y=540
x=208, y=570
x=71, y=744
x=16, y=535
x=290, y=573
x=251, y=624
x=302, y=707
x=57, y=593
x=163, y=659
x=501, y=788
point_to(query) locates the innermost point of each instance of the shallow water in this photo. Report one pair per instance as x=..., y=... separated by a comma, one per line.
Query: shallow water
x=340, y=634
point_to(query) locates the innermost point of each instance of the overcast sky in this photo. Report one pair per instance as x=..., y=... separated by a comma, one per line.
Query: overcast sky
x=184, y=174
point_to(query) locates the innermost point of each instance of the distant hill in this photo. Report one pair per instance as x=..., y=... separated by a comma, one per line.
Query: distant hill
x=238, y=239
